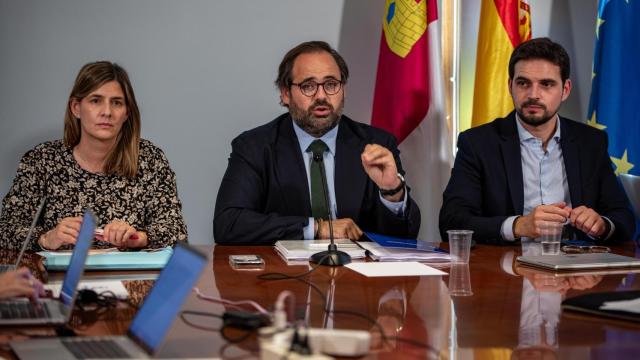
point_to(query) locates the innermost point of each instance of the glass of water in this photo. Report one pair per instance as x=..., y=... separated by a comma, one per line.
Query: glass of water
x=550, y=237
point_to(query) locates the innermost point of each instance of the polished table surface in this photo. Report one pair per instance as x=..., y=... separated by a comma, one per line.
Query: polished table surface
x=491, y=310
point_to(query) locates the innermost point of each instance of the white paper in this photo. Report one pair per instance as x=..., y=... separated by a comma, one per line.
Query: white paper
x=98, y=286
x=623, y=305
x=410, y=268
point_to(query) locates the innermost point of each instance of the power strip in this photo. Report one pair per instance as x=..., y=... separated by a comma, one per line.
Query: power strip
x=275, y=344
x=270, y=351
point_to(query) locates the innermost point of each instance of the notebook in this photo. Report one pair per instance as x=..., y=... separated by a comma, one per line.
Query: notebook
x=27, y=240
x=111, y=259
x=580, y=261
x=53, y=311
x=592, y=304
x=147, y=329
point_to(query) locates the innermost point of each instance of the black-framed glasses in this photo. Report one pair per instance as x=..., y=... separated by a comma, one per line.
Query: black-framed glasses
x=575, y=249
x=310, y=87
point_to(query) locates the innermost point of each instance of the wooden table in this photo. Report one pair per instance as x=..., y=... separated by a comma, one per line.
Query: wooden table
x=512, y=313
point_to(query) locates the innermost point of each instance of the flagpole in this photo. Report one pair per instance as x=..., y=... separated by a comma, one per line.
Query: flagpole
x=455, y=77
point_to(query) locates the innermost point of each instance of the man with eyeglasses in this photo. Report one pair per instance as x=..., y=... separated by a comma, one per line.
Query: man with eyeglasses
x=273, y=187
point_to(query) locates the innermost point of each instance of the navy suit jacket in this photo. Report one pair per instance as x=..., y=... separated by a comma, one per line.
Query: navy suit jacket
x=264, y=194
x=486, y=180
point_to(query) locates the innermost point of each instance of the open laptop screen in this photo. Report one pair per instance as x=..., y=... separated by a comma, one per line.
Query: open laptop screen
x=166, y=297
x=78, y=258
x=27, y=240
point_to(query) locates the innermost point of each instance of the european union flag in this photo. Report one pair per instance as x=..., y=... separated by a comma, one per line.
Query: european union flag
x=615, y=86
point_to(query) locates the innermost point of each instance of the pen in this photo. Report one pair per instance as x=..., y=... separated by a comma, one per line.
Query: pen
x=99, y=235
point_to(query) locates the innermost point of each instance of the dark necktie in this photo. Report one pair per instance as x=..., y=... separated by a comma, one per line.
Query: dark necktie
x=318, y=205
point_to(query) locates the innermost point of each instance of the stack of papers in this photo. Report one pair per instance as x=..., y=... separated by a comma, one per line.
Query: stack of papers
x=292, y=250
x=378, y=252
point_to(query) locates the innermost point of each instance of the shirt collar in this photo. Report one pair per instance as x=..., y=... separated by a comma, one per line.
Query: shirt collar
x=525, y=135
x=304, y=139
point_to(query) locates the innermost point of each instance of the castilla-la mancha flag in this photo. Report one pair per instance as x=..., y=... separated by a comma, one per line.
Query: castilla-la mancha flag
x=504, y=24
x=409, y=102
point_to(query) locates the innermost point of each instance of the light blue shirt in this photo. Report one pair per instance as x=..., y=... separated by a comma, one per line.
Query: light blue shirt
x=304, y=139
x=543, y=175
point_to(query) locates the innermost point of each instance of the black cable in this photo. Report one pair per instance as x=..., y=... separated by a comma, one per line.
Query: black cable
x=222, y=330
x=238, y=339
x=185, y=313
x=106, y=299
x=283, y=276
x=92, y=307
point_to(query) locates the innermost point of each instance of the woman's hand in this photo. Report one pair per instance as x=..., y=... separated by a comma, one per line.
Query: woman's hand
x=20, y=283
x=66, y=232
x=123, y=235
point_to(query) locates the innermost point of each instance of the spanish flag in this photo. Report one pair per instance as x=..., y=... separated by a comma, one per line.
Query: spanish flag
x=503, y=25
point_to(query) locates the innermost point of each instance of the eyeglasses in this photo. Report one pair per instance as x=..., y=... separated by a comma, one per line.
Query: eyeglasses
x=575, y=249
x=310, y=88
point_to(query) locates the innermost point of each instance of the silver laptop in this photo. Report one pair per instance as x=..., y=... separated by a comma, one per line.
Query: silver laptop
x=25, y=244
x=53, y=311
x=147, y=329
x=580, y=261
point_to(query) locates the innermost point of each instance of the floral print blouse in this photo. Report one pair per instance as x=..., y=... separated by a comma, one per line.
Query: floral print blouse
x=149, y=202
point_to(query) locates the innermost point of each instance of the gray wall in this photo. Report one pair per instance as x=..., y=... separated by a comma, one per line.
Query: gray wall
x=203, y=71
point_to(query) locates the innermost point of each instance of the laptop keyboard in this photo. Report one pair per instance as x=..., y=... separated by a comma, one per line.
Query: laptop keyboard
x=23, y=310
x=94, y=348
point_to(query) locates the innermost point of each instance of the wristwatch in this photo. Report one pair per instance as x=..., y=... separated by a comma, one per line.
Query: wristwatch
x=392, y=192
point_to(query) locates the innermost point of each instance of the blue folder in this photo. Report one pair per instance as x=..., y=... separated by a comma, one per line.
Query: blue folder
x=116, y=260
x=394, y=242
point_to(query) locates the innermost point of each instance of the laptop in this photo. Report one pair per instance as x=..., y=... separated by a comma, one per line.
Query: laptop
x=25, y=245
x=580, y=261
x=22, y=311
x=147, y=329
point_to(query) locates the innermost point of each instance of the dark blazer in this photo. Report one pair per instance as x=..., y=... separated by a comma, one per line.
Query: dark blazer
x=264, y=194
x=486, y=180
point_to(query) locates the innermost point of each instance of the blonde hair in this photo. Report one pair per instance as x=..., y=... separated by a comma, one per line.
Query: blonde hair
x=123, y=159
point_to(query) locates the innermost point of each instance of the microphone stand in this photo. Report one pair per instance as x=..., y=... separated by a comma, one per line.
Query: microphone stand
x=332, y=256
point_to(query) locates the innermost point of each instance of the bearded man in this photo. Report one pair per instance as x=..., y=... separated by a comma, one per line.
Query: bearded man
x=513, y=176
x=273, y=187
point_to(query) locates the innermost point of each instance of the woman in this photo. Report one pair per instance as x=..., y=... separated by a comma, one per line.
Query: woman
x=101, y=164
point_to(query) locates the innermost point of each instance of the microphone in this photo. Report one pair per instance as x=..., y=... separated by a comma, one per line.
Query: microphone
x=332, y=256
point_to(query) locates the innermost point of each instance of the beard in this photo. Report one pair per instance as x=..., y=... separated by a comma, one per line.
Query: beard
x=314, y=125
x=534, y=120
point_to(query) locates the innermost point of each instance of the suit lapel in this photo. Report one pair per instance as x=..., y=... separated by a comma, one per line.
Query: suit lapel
x=510, y=148
x=289, y=170
x=350, y=178
x=571, y=161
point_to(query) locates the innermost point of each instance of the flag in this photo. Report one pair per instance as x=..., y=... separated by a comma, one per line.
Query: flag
x=615, y=84
x=503, y=25
x=409, y=102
